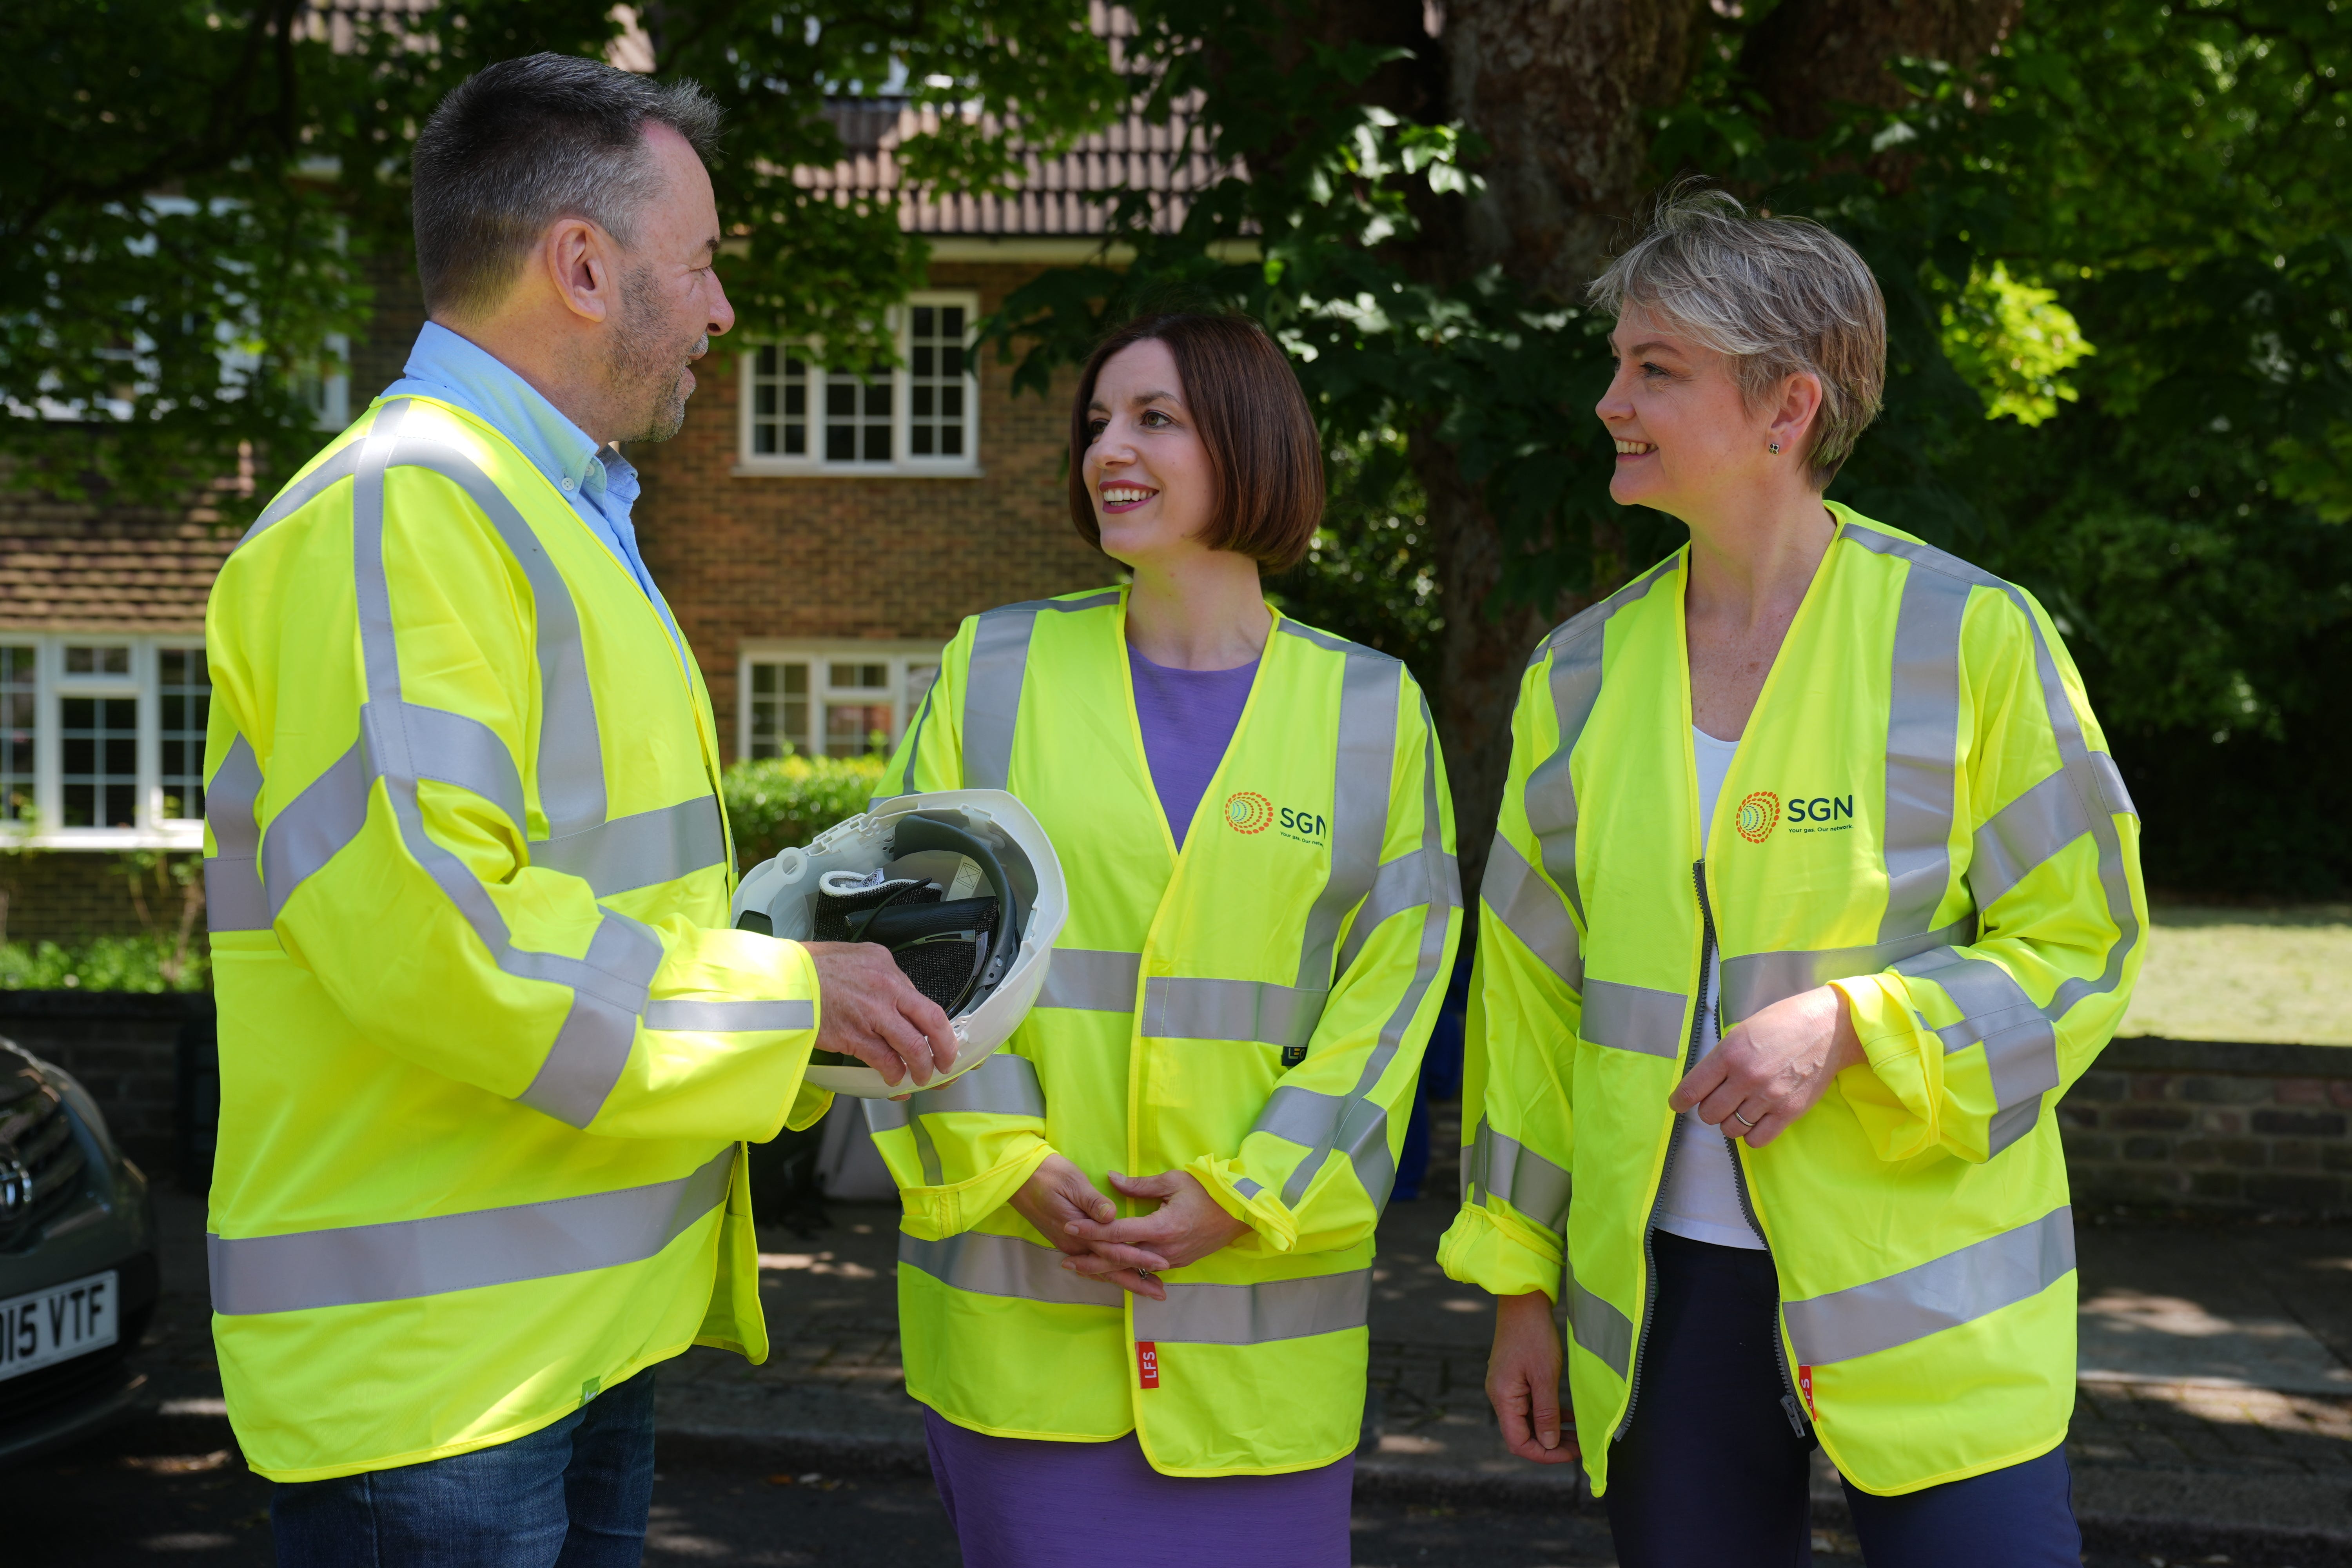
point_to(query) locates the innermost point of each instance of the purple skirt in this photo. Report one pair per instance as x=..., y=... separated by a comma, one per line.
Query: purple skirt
x=1020, y=1502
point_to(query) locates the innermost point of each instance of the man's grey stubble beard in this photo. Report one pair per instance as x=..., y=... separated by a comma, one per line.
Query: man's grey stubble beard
x=648, y=369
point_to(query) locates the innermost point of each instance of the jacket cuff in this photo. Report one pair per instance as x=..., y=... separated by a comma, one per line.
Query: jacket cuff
x=1272, y=1228
x=1899, y=1097
x=934, y=1213
x=809, y=1106
x=1500, y=1253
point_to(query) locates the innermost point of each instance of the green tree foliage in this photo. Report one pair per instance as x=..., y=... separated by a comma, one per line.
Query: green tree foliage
x=2117, y=256
x=191, y=185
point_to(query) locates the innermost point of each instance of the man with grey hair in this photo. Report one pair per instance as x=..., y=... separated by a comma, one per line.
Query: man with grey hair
x=489, y=1051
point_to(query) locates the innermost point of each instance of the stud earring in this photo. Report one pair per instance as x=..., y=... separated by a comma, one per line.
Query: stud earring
x=1774, y=448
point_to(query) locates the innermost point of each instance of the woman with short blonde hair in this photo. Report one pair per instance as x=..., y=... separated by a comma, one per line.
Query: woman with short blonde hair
x=1813, y=888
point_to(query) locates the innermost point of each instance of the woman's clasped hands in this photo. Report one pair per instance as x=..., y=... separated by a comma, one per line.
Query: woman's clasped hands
x=1072, y=1213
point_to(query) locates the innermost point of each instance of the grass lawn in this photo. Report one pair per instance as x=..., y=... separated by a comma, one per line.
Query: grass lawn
x=2215, y=974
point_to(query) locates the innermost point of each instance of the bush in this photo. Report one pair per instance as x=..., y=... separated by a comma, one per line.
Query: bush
x=781, y=803
x=106, y=964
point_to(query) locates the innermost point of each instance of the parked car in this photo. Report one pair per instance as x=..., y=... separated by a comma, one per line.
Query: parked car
x=78, y=1277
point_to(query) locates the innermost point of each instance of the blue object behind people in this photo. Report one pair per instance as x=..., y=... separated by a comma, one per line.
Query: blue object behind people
x=1441, y=1067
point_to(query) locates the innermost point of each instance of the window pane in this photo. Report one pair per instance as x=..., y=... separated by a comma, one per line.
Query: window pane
x=184, y=687
x=852, y=730
x=936, y=383
x=779, y=407
x=99, y=757
x=778, y=707
x=17, y=710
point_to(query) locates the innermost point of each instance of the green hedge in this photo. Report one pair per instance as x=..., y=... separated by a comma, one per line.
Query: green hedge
x=777, y=804
x=105, y=964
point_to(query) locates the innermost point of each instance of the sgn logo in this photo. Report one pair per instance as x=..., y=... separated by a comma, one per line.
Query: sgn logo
x=1246, y=811
x=1764, y=811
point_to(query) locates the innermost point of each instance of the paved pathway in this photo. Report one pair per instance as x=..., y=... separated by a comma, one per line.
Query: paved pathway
x=2216, y=1394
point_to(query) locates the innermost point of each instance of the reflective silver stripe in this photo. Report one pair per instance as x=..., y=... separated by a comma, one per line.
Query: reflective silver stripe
x=1402, y=884
x=456, y=749
x=342, y=465
x=1533, y=911
x=1256, y=1314
x=729, y=1017
x=233, y=897
x=1957, y=1287
x=1357, y=1125
x=1363, y=763
x=907, y=780
x=609, y=986
x=1003, y=1085
x=592, y=1048
x=1179, y=1008
x=1575, y=650
x=314, y=827
x=1598, y=1328
x=640, y=851
x=2026, y=1056
x=2037, y=824
x=1754, y=981
x=1323, y=1123
x=1507, y=1169
x=1091, y=981
x=2020, y=1039
x=570, y=758
x=1923, y=748
x=1634, y=1018
x=992, y=695
x=989, y=1265
x=406, y=1259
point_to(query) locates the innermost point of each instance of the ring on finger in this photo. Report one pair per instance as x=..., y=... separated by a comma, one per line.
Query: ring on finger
x=1745, y=1122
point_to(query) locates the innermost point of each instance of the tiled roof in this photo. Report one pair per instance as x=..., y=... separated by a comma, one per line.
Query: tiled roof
x=77, y=568
x=1071, y=193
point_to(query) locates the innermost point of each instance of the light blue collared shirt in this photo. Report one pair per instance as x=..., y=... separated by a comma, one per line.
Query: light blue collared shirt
x=599, y=482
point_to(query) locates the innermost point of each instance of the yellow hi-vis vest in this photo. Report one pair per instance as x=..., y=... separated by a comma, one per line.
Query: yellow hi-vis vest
x=488, y=1050
x=1252, y=1010
x=1923, y=812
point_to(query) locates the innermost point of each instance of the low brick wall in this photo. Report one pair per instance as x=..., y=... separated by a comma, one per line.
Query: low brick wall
x=123, y=1046
x=2209, y=1124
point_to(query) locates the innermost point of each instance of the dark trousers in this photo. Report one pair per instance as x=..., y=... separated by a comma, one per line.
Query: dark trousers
x=1712, y=1472
x=573, y=1494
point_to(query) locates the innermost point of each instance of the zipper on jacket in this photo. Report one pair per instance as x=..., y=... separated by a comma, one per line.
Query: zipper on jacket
x=1791, y=1405
x=1674, y=1137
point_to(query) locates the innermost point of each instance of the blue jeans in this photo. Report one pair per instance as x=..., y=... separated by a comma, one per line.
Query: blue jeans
x=1713, y=1473
x=573, y=1494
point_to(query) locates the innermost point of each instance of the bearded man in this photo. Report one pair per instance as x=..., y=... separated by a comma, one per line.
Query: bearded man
x=490, y=1053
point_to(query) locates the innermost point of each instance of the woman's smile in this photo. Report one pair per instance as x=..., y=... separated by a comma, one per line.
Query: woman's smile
x=1121, y=497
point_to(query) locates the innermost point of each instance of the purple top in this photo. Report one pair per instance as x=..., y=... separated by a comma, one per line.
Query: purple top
x=1188, y=717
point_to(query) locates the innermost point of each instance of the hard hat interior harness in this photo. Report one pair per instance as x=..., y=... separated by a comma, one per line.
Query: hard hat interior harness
x=962, y=887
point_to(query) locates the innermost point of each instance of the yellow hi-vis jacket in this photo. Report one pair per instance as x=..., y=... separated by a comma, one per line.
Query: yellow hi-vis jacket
x=1923, y=812
x=1252, y=1010
x=488, y=1050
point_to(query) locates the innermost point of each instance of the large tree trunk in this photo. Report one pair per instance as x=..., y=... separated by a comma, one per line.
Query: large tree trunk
x=1564, y=93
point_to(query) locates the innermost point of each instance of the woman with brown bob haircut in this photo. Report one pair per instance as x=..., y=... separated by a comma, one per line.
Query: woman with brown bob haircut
x=1253, y=819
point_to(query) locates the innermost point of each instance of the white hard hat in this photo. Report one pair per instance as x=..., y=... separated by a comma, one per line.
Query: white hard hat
x=961, y=884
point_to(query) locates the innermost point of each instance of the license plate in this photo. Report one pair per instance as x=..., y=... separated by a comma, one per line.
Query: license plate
x=56, y=1324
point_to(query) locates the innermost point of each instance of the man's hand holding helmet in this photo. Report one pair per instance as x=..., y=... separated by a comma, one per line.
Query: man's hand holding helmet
x=870, y=1011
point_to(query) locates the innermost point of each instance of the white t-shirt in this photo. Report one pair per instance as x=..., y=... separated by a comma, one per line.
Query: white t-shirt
x=1702, y=1196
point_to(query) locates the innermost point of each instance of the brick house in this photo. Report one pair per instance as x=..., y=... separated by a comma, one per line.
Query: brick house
x=817, y=537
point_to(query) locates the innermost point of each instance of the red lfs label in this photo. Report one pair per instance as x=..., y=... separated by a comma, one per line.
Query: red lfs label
x=1805, y=1385
x=1146, y=1363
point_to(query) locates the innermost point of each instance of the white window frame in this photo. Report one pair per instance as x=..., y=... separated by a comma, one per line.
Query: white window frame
x=151, y=829
x=903, y=465
x=817, y=653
